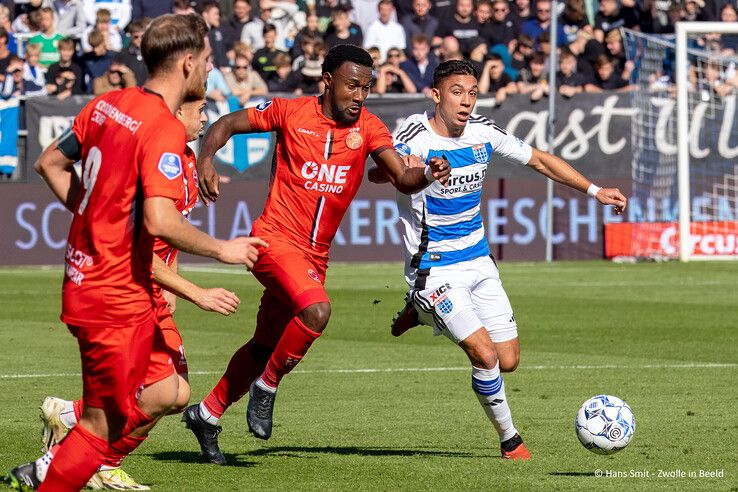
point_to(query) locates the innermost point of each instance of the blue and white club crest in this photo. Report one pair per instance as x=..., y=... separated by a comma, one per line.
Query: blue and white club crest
x=480, y=153
x=263, y=106
x=445, y=306
x=170, y=165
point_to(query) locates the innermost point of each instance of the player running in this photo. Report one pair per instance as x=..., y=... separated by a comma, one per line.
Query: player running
x=454, y=283
x=130, y=145
x=168, y=353
x=322, y=145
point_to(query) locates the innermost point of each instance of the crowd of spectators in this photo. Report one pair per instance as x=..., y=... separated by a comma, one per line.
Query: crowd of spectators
x=70, y=47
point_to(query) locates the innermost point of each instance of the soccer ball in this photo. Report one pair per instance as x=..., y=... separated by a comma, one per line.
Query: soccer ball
x=605, y=424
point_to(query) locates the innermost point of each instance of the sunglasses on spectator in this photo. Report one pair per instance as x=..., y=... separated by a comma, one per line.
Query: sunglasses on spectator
x=241, y=67
x=501, y=10
x=393, y=55
x=543, y=11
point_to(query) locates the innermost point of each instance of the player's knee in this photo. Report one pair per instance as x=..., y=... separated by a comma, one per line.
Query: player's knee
x=316, y=316
x=183, y=397
x=485, y=358
x=509, y=364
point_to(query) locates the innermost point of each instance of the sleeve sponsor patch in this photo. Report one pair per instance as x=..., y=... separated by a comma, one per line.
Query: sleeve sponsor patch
x=263, y=106
x=170, y=165
x=402, y=148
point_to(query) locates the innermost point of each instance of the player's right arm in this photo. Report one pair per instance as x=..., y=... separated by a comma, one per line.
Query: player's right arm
x=215, y=138
x=217, y=300
x=57, y=170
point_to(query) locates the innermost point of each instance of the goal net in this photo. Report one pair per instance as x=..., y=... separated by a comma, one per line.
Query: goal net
x=685, y=144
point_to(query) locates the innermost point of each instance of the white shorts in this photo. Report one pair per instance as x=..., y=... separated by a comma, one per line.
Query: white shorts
x=460, y=299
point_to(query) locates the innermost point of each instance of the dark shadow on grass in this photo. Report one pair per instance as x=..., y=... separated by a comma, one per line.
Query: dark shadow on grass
x=300, y=451
x=194, y=457
x=572, y=474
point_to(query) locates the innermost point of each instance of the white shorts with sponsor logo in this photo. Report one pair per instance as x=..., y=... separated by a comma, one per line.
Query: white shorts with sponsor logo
x=459, y=299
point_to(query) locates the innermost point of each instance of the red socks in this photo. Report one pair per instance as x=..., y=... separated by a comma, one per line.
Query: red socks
x=122, y=448
x=77, y=459
x=241, y=372
x=290, y=350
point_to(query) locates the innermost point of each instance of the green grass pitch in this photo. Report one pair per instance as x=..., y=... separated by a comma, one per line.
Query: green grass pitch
x=365, y=411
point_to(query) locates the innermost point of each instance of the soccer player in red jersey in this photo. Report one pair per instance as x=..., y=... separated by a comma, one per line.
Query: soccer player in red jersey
x=322, y=145
x=168, y=354
x=130, y=145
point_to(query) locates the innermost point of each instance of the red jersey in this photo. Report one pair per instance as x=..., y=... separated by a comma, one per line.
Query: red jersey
x=130, y=146
x=185, y=204
x=317, y=170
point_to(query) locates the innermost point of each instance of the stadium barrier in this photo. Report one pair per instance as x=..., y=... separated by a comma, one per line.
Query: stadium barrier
x=592, y=133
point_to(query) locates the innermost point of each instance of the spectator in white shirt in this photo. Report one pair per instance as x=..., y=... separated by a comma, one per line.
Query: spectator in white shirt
x=104, y=25
x=70, y=18
x=120, y=12
x=285, y=16
x=385, y=33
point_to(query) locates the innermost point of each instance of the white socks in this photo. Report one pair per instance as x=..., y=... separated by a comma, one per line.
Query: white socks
x=206, y=415
x=67, y=415
x=490, y=390
x=261, y=384
x=43, y=464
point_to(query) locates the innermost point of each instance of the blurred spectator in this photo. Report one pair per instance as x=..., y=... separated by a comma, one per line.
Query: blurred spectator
x=574, y=19
x=343, y=31
x=5, y=54
x=421, y=64
x=493, y=79
x=403, y=8
x=501, y=29
x=234, y=27
x=606, y=78
x=544, y=43
x=243, y=81
x=483, y=12
x=27, y=23
x=364, y=12
x=443, y=9
x=479, y=55
x=97, y=61
x=693, y=10
x=131, y=56
x=253, y=32
x=448, y=46
x=522, y=53
x=286, y=17
x=715, y=79
x=70, y=18
x=614, y=44
x=118, y=76
x=217, y=87
x=183, y=7
x=310, y=29
x=542, y=23
x=311, y=48
x=568, y=80
x=119, y=12
x=218, y=42
x=461, y=25
x=283, y=79
x=611, y=16
x=103, y=25
x=385, y=33
x=376, y=57
x=420, y=21
x=68, y=66
x=392, y=79
x=533, y=79
x=521, y=11
x=13, y=83
x=48, y=38
x=311, y=73
x=730, y=41
x=264, y=58
x=26, y=78
x=151, y=8
x=7, y=26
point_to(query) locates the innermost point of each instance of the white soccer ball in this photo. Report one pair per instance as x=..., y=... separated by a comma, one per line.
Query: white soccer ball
x=605, y=424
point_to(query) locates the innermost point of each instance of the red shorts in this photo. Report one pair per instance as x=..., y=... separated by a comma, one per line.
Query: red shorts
x=293, y=281
x=114, y=362
x=167, y=354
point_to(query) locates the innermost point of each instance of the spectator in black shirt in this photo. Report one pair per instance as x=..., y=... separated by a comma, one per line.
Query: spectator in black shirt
x=533, y=79
x=611, y=16
x=493, y=79
x=522, y=53
x=151, y=8
x=218, y=42
x=283, y=79
x=392, y=79
x=614, y=44
x=574, y=19
x=501, y=29
x=311, y=30
x=568, y=80
x=462, y=25
x=421, y=64
x=97, y=61
x=233, y=28
x=606, y=78
x=68, y=69
x=5, y=54
x=420, y=21
x=131, y=56
x=521, y=11
x=344, y=32
x=264, y=58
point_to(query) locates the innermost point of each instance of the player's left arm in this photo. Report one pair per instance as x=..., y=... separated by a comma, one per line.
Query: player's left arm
x=559, y=170
x=218, y=300
x=58, y=171
x=377, y=176
x=410, y=179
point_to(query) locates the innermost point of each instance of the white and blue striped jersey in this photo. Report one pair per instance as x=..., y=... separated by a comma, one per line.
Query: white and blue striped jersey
x=443, y=225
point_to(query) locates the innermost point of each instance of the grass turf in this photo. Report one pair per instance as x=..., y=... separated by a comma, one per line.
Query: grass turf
x=663, y=337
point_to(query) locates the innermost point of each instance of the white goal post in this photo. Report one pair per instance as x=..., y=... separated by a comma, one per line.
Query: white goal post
x=682, y=79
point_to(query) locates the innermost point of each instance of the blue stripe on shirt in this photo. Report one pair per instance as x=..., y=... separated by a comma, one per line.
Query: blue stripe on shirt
x=452, y=257
x=452, y=206
x=467, y=156
x=455, y=231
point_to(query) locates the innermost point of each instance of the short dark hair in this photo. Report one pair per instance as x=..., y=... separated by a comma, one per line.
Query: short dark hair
x=453, y=67
x=169, y=36
x=342, y=53
x=268, y=28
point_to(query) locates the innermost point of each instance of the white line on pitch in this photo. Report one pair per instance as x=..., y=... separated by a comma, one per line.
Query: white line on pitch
x=427, y=369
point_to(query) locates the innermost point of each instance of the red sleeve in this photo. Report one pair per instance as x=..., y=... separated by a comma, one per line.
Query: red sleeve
x=161, y=161
x=79, y=127
x=377, y=134
x=268, y=116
